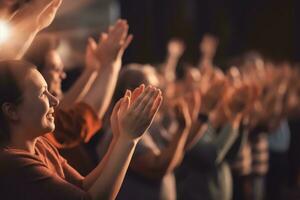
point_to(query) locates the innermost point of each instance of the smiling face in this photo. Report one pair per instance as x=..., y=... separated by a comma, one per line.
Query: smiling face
x=35, y=112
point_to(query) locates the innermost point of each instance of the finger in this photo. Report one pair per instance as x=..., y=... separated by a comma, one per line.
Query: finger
x=156, y=102
x=148, y=101
x=140, y=98
x=92, y=43
x=124, y=33
x=51, y=7
x=124, y=105
x=156, y=106
x=137, y=92
x=103, y=37
x=128, y=94
x=120, y=32
x=127, y=42
x=57, y=3
x=111, y=28
x=88, y=49
x=114, y=114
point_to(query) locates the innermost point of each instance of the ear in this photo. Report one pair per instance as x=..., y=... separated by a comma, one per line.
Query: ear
x=10, y=111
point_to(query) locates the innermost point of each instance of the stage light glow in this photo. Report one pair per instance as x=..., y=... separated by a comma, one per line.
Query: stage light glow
x=4, y=31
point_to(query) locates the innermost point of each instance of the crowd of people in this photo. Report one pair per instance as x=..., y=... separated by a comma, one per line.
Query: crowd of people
x=205, y=133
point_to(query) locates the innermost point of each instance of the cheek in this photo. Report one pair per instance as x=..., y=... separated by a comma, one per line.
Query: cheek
x=35, y=114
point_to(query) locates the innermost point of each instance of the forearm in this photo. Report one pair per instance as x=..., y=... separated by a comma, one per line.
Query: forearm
x=172, y=155
x=79, y=89
x=195, y=135
x=170, y=66
x=91, y=178
x=238, y=145
x=224, y=142
x=205, y=62
x=100, y=94
x=109, y=182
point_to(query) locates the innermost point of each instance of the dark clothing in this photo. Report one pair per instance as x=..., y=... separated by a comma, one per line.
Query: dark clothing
x=205, y=173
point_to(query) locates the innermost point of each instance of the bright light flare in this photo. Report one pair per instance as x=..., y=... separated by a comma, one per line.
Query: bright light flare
x=4, y=31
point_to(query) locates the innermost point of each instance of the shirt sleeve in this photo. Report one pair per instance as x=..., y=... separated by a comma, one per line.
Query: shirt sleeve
x=74, y=126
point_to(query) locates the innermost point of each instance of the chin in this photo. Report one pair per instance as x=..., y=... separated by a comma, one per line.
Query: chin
x=49, y=128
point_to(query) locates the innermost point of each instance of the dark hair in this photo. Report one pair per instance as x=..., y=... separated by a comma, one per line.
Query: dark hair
x=38, y=50
x=10, y=92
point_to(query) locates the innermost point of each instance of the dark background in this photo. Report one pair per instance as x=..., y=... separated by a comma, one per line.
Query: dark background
x=269, y=26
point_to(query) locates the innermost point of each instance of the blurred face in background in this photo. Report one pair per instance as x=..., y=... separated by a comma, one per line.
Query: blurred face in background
x=54, y=73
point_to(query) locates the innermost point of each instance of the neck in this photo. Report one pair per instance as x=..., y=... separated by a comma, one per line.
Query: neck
x=20, y=140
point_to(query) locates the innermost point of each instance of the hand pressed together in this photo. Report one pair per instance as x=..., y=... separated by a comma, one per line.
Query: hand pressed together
x=134, y=113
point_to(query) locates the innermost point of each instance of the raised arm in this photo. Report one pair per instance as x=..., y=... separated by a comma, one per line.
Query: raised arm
x=109, y=53
x=175, y=50
x=83, y=84
x=25, y=24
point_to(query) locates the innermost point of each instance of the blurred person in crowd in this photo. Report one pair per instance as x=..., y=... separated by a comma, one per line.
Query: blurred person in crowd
x=205, y=173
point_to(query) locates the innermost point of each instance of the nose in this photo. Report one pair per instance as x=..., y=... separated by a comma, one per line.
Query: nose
x=53, y=101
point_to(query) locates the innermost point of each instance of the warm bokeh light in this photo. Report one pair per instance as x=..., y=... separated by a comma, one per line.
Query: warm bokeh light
x=4, y=31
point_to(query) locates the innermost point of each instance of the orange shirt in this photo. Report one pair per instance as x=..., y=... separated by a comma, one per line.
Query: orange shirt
x=74, y=126
x=44, y=175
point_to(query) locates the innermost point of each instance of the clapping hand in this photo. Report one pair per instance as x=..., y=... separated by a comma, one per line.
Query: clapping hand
x=134, y=113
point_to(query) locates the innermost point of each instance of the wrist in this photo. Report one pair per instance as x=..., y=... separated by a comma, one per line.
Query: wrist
x=127, y=138
x=173, y=57
x=114, y=66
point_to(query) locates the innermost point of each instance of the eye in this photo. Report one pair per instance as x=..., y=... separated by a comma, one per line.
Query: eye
x=43, y=94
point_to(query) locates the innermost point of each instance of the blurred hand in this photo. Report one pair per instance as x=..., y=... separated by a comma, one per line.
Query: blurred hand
x=176, y=48
x=37, y=13
x=111, y=45
x=208, y=46
x=237, y=101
